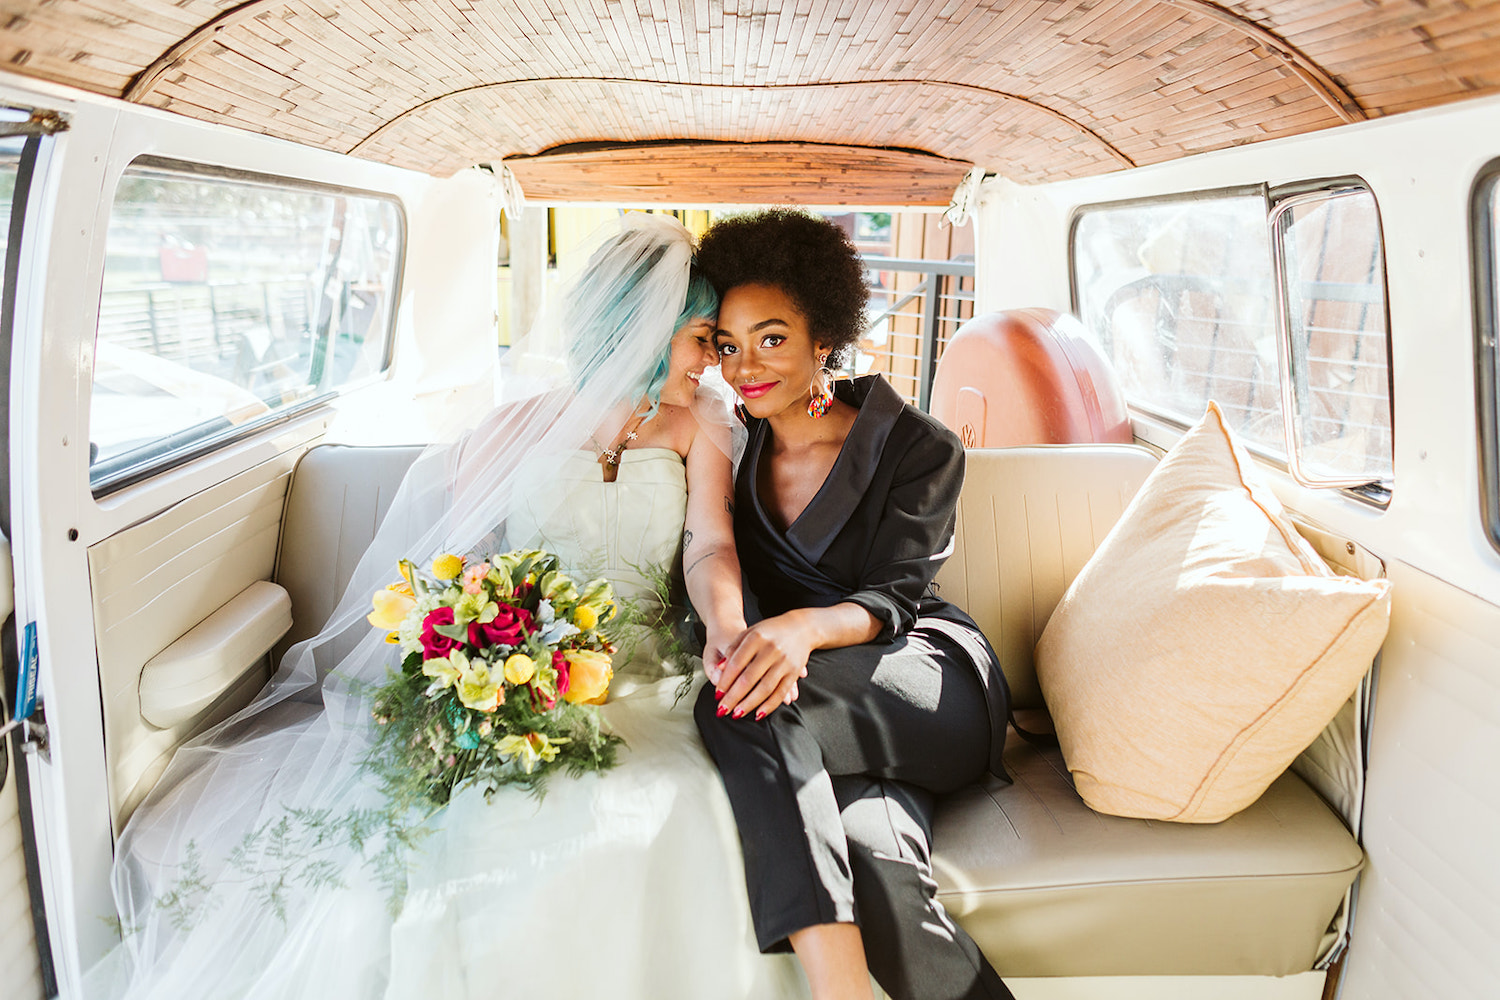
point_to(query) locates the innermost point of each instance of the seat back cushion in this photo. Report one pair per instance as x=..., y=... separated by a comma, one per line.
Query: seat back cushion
x=1028, y=520
x=1204, y=645
x=337, y=497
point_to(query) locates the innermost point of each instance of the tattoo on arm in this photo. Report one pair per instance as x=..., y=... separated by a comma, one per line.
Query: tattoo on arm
x=729, y=506
x=687, y=539
x=687, y=571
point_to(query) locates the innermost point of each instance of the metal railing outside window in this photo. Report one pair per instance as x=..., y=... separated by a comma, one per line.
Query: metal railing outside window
x=915, y=308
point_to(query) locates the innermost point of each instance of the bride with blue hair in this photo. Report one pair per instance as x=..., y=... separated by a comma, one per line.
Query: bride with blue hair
x=266, y=861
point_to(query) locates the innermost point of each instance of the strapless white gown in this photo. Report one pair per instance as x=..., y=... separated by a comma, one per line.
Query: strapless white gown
x=622, y=886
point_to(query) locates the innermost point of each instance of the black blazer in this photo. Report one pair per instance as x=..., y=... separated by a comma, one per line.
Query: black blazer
x=874, y=534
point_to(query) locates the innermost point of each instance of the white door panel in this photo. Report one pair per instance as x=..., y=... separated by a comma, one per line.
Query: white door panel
x=151, y=584
x=1427, y=915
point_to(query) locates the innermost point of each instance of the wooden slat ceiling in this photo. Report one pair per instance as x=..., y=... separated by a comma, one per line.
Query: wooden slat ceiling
x=1035, y=90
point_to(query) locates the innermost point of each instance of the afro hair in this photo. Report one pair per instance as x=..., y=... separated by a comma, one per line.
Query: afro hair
x=807, y=257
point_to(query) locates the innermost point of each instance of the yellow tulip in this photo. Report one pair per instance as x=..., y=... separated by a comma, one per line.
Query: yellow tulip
x=391, y=607
x=447, y=567
x=589, y=674
x=519, y=668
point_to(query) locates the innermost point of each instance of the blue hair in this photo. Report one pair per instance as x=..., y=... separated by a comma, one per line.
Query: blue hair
x=702, y=303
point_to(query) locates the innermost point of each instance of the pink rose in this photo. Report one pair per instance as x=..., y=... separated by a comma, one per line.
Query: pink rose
x=560, y=664
x=434, y=644
x=510, y=626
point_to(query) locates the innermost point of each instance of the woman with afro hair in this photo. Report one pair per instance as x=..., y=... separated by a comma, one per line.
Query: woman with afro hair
x=856, y=696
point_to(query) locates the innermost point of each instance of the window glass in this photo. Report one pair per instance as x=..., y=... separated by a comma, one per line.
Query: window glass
x=1334, y=277
x=10, y=166
x=1181, y=296
x=227, y=302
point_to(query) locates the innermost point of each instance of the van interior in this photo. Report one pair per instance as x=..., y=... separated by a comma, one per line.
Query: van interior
x=251, y=257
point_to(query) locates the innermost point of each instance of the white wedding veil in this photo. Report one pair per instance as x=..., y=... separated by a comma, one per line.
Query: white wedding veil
x=268, y=825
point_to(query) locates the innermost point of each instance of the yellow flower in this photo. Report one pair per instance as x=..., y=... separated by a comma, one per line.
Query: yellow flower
x=585, y=617
x=391, y=607
x=599, y=598
x=446, y=670
x=519, y=668
x=531, y=749
x=589, y=674
x=447, y=567
x=479, y=689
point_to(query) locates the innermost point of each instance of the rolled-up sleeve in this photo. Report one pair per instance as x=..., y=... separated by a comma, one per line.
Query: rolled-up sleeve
x=914, y=533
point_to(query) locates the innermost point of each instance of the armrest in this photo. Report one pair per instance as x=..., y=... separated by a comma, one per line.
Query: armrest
x=190, y=674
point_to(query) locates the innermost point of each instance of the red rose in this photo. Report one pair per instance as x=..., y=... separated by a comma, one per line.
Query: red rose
x=434, y=644
x=510, y=626
x=560, y=664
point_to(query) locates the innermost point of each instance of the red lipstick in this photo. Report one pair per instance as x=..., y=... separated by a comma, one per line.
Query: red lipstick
x=754, y=390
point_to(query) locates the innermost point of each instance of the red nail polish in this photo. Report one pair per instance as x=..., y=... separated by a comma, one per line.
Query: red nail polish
x=759, y=716
x=718, y=694
x=738, y=712
x=723, y=711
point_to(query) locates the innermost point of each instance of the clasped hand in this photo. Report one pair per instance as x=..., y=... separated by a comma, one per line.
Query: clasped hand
x=756, y=672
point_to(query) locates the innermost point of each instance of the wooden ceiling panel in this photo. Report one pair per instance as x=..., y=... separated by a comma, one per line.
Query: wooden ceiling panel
x=759, y=173
x=1035, y=90
x=970, y=126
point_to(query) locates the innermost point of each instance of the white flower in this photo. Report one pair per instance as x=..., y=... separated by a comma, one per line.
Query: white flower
x=558, y=631
x=410, y=632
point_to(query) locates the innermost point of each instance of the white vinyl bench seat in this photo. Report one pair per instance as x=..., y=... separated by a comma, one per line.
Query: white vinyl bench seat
x=1046, y=886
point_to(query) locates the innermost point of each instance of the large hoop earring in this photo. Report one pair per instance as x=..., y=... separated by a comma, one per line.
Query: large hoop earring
x=822, y=390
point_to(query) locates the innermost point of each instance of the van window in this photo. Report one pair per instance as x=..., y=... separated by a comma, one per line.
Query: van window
x=1180, y=294
x=1486, y=240
x=1212, y=296
x=1332, y=274
x=230, y=300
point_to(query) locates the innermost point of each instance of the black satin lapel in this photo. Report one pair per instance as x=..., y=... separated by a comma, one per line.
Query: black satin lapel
x=782, y=550
x=825, y=516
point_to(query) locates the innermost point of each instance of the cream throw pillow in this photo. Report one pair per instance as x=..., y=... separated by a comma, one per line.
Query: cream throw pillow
x=1204, y=645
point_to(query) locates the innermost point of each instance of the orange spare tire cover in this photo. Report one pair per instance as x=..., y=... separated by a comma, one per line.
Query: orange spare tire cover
x=1028, y=376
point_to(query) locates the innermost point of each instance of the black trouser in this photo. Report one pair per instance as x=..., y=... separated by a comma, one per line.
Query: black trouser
x=833, y=796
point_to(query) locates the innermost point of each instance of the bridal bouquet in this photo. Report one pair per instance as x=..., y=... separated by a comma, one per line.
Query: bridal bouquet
x=504, y=661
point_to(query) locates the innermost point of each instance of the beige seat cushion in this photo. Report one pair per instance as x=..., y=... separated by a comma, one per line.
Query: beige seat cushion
x=335, y=502
x=1049, y=888
x=1204, y=645
x=1028, y=520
